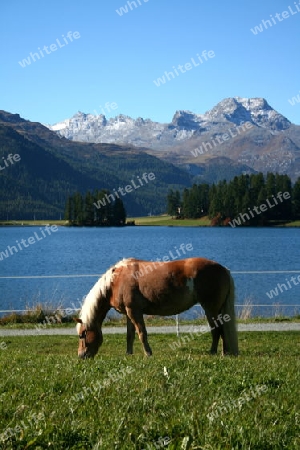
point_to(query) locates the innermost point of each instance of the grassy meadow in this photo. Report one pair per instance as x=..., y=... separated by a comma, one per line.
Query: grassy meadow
x=162, y=220
x=166, y=220
x=181, y=398
x=204, y=221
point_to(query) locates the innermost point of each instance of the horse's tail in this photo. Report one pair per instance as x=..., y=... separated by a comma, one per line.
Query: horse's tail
x=229, y=327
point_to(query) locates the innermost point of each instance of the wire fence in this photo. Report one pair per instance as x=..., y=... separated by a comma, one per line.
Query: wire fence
x=99, y=275
x=246, y=272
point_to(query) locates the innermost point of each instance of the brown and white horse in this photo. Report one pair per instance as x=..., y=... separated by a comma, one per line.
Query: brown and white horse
x=134, y=287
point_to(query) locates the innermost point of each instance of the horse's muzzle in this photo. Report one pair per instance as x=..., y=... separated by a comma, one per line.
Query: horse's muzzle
x=84, y=355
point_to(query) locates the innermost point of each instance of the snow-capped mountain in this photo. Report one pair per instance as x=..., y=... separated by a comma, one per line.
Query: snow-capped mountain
x=121, y=129
x=269, y=143
x=185, y=124
x=254, y=110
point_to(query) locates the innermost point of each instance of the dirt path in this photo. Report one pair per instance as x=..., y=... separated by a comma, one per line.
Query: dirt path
x=48, y=330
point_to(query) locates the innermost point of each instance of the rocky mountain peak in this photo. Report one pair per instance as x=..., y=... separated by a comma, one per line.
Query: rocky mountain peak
x=255, y=110
x=186, y=119
x=184, y=125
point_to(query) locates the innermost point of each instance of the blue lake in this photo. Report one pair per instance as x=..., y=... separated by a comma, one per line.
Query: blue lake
x=91, y=251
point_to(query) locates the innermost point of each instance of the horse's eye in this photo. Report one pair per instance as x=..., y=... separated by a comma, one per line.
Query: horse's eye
x=82, y=335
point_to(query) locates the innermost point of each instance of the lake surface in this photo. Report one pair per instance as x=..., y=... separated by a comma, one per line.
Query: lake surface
x=91, y=251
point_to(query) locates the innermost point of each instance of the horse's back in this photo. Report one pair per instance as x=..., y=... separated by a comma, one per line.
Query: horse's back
x=170, y=287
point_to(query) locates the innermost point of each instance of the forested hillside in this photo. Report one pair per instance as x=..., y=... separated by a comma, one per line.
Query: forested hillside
x=50, y=169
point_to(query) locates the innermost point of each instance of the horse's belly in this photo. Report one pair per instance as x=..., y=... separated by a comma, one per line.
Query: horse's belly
x=170, y=304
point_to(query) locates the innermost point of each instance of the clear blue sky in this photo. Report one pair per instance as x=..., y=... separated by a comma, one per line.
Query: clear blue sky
x=117, y=57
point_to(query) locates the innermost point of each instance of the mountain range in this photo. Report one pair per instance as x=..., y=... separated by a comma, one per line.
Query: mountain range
x=200, y=143
x=88, y=152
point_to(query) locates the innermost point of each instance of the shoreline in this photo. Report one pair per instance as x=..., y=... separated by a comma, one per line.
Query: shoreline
x=158, y=221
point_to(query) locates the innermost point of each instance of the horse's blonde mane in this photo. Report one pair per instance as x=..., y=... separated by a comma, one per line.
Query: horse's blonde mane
x=99, y=290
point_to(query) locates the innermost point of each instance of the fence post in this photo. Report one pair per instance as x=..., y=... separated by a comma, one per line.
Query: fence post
x=177, y=325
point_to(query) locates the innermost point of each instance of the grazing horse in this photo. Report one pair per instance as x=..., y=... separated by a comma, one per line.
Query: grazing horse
x=134, y=287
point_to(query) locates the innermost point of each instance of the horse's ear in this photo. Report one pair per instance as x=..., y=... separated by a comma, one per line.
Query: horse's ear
x=77, y=320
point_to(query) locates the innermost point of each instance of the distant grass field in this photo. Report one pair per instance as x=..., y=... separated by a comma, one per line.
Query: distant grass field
x=148, y=220
x=203, y=222
x=180, y=398
x=168, y=221
x=37, y=223
x=163, y=220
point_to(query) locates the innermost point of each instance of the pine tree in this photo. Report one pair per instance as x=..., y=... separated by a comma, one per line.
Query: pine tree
x=89, y=216
x=118, y=213
x=284, y=209
x=173, y=203
x=69, y=210
x=296, y=199
x=78, y=209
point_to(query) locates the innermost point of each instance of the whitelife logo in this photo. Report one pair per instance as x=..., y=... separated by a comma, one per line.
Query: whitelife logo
x=33, y=57
x=192, y=334
x=10, y=160
x=279, y=17
x=124, y=9
x=129, y=188
x=296, y=99
x=274, y=292
x=263, y=207
x=11, y=250
x=166, y=258
x=168, y=76
x=205, y=146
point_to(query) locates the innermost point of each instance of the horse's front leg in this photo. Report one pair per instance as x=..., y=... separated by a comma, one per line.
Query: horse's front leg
x=138, y=321
x=130, y=336
x=215, y=333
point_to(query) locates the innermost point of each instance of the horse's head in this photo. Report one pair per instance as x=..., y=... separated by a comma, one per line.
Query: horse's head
x=89, y=340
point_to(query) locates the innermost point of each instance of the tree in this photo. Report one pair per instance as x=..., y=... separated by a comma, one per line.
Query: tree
x=78, y=209
x=173, y=203
x=296, y=199
x=69, y=210
x=89, y=216
x=118, y=213
x=95, y=209
x=284, y=209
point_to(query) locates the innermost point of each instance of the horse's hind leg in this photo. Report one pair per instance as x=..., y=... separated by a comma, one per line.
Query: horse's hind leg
x=215, y=334
x=130, y=336
x=225, y=347
x=138, y=320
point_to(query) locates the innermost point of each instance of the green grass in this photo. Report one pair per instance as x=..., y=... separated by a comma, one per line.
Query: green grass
x=168, y=221
x=32, y=222
x=49, y=399
x=295, y=223
x=163, y=220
